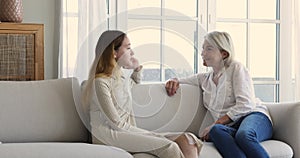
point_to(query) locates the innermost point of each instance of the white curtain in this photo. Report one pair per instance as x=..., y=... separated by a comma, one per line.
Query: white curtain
x=296, y=47
x=81, y=24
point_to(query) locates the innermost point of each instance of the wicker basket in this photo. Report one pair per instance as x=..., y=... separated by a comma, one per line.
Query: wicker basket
x=11, y=11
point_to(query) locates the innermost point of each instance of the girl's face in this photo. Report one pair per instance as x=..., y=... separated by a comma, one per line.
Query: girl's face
x=124, y=55
x=211, y=55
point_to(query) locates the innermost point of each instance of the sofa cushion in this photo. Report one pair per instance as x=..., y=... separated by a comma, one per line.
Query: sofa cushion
x=36, y=111
x=60, y=150
x=144, y=155
x=277, y=149
x=209, y=150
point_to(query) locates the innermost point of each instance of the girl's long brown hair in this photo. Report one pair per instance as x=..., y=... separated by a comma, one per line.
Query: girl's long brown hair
x=107, y=61
x=104, y=63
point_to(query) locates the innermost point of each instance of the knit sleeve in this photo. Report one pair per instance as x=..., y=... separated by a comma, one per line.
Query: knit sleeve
x=104, y=96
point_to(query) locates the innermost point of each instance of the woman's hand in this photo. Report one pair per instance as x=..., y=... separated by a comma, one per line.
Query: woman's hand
x=223, y=120
x=171, y=86
x=135, y=63
x=204, y=135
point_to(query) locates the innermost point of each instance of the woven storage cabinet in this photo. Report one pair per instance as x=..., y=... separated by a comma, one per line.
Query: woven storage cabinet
x=11, y=11
x=21, y=52
x=17, y=56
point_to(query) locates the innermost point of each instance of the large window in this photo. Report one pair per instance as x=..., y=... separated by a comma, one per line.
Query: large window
x=255, y=29
x=167, y=37
x=164, y=35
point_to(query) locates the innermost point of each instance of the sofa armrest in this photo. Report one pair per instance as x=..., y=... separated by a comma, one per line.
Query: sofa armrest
x=286, y=124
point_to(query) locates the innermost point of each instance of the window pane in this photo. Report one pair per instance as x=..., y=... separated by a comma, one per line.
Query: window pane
x=263, y=50
x=144, y=36
x=225, y=8
x=70, y=39
x=135, y=6
x=178, y=48
x=189, y=9
x=70, y=6
x=263, y=9
x=238, y=32
x=266, y=93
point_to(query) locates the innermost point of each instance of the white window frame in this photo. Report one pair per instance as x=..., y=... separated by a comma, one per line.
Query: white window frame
x=207, y=19
x=285, y=65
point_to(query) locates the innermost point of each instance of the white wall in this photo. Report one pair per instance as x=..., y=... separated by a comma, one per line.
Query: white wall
x=46, y=12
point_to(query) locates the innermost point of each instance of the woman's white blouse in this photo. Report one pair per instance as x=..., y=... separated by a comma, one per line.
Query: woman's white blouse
x=234, y=94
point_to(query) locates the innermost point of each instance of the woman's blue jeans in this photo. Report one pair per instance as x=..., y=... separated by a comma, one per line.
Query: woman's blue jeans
x=243, y=139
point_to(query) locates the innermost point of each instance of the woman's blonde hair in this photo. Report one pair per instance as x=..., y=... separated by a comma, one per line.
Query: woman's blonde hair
x=222, y=41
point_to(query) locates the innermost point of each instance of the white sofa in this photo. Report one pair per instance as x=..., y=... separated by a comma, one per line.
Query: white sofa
x=156, y=111
x=41, y=119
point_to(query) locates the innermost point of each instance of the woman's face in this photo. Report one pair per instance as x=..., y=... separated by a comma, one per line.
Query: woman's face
x=211, y=55
x=124, y=55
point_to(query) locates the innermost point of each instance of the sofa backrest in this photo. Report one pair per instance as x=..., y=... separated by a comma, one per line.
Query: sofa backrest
x=39, y=111
x=156, y=111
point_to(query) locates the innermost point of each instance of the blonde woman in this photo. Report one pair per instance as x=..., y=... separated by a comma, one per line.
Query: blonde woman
x=108, y=93
x=241, y=122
